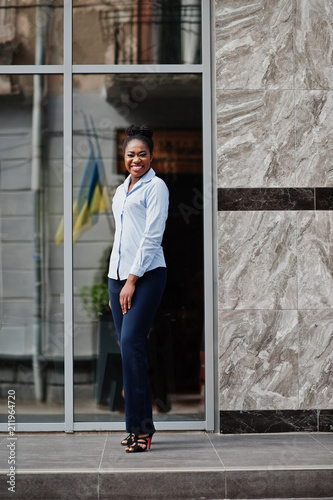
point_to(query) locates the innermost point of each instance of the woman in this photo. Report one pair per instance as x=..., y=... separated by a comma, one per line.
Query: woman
x=137, y=277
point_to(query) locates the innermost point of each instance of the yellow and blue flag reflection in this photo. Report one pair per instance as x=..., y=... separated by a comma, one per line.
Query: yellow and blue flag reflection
x=92, y=199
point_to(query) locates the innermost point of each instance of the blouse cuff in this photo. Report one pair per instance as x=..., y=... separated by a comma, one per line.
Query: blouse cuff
x=137, y=271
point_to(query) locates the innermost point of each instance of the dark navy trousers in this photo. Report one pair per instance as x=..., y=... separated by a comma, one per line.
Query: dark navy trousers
x=132, y=330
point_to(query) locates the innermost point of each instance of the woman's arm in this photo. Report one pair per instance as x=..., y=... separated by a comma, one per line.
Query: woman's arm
x=156, y=216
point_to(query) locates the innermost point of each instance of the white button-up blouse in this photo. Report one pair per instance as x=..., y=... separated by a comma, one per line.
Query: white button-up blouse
x=140, y=216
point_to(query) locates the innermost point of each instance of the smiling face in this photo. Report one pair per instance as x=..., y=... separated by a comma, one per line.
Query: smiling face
x=137, y=159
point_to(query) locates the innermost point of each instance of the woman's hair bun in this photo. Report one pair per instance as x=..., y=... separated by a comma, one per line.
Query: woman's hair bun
x=143, y=133
x=143, y=130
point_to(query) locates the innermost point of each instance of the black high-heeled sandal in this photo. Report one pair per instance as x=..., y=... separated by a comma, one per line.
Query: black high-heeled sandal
x=128, y=441
x=140, y=443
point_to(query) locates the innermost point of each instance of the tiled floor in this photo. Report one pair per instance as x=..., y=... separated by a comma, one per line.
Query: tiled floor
x=179, y=465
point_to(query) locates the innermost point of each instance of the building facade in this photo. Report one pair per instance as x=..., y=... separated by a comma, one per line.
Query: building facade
x=238, y=95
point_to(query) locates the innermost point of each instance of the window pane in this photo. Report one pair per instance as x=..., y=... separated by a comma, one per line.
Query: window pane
x=31, y=33
x=31, y=267
x=104, y=105
x=137, y=32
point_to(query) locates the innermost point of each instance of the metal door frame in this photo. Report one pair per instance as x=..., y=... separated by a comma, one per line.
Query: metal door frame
x=209, y=214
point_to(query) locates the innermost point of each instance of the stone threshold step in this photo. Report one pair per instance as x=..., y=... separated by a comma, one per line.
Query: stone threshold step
x=175, y=484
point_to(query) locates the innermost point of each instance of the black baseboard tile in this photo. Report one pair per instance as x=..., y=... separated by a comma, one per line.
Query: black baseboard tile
x=266, y=199
x=260, y=199
x=325, y=418
x=324, y=199
x=269, y=421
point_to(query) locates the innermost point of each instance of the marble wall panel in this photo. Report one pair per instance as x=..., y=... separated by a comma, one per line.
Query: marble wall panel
x=254, y=42
x=313, y=44
x=255, y=138
x=258, y=360
x=315, y=260
x=314, y=138
x=257, y=260
x=275, y=130
x=316, y=359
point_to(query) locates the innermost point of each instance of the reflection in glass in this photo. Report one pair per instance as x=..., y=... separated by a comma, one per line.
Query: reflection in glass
x=31, y=273
x=137, y=32
x=31, y=32
x=104, y=105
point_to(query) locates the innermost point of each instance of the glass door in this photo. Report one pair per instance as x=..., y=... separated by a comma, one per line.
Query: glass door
x=98, y=68
x=31, y=270
x=176, y=341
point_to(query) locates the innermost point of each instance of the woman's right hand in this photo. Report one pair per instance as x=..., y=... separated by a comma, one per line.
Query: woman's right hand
x=125, y=297
x=127, y=292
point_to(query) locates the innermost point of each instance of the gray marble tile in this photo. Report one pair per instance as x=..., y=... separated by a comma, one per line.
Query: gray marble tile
x=166, y=452
x=316, y=359
x=49, y=486
x=162, y=485
x=314, y=138
x=255, y=138
x=313, y=43
x=258, y=360
x=257, y=260
x=254, y=44
x=288, y=450
x=315, y=263
x=59, y=452
x=325, y=439
x=313, y=484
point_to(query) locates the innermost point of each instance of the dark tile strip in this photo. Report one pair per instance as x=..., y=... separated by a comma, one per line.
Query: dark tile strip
x=262, y=421
x=324, y=198
x=325, y=420
x=247, y=199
